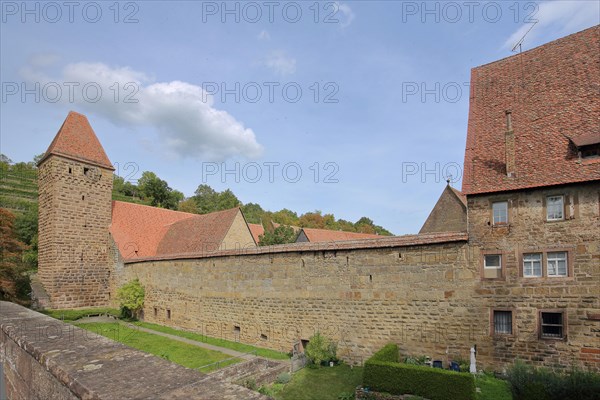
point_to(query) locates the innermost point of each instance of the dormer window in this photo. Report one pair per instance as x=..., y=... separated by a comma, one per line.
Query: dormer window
x=588, y=146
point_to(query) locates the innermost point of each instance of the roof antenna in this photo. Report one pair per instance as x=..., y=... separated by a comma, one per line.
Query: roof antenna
x=520, y=42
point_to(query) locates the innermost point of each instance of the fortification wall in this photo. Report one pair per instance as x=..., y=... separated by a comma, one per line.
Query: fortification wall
x=418, y=296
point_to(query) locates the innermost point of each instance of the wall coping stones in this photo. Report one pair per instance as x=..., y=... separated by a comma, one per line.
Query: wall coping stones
x=383, y=242
x=94, y=367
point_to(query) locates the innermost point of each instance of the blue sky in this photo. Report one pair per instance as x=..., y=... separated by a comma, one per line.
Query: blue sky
x=367, y=100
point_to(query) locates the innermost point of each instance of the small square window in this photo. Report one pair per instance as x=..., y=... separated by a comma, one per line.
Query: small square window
x=532, y=265
x=492, y=266
x=555, y=208
x=551, y=325
x=502, y=322
x=557, y=263
x=500, y=211
x=236, y=329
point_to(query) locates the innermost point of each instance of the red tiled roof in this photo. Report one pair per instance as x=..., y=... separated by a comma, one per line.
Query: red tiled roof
x=586, y=140
x=200, y=233
x=256, y=230
x=324, y=235
x=138, y=229
x=552, y=94
x=76, y=140
x=380, y=242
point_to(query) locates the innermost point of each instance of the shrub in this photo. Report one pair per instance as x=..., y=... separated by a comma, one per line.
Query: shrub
x=528, y=382
x=131, y=298
x=383, y=373
x=284, y=378
x=388, y=353
x=320, y=349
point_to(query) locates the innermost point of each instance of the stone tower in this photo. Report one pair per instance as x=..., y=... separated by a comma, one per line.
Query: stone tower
x=75, y=180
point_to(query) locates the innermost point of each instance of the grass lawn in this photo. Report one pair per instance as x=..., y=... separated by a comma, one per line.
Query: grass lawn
x=244, y=348
x=492, y=388
x=181, y=353
x=73, y=315
x=325, y=383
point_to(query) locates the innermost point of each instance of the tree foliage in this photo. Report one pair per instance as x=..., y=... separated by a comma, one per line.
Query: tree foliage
x=131, y=298
x=280, y=235
x=14, y=279
x=320, y=349
x=158, y=192
x=209, y=200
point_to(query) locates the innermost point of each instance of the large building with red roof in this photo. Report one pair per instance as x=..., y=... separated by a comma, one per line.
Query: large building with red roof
x=510, y=264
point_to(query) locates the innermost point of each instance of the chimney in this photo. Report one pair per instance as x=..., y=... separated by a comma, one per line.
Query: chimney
x=509, y=146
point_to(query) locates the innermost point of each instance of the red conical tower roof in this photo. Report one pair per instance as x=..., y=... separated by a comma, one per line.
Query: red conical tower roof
x=76, y=140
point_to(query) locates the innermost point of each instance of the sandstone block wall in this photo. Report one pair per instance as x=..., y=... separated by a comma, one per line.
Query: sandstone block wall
x=418, y=296
x=577, y=295
x=44, y=358
x=74, y=216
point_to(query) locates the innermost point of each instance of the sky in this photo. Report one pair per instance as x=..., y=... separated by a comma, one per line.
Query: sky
x=356, y=108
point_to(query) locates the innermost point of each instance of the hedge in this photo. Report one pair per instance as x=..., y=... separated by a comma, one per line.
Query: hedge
x=382, y=374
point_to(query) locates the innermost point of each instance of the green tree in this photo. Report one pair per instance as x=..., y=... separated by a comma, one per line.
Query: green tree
x=131, y=298
x=320, y=349
x=227, y=200
x=26, y=229
x=280, y=235
x=4, y=159
x=36, y=159
x=253, y=212
x=158, y=191
x=286, y=217
x=206, y=198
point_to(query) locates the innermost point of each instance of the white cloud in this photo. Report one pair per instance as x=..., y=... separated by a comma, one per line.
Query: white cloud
x=264, y=35
x=558, y=18
x=183, y=114
x=345, y=14
x=281, y=63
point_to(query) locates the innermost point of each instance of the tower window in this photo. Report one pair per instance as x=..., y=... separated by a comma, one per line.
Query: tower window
x=82, y=197
x=86, y=170
x=70, y=170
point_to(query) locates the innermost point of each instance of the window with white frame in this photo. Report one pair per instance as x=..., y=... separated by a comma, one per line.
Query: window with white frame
x=555, y=208
x=557, y=263
x=492, y=266
x=532, y=265
x=500, y=212
x=502, y=322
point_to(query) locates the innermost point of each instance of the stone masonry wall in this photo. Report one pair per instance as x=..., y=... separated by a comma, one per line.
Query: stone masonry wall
x=577, y=295
x=74, y=216
x=417, y=296
x=43, y=358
